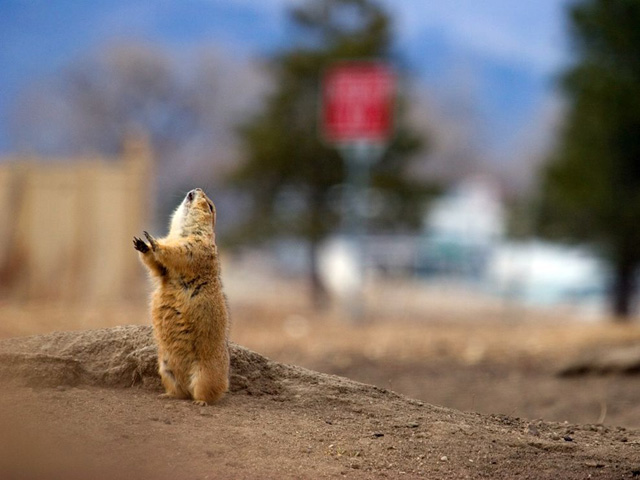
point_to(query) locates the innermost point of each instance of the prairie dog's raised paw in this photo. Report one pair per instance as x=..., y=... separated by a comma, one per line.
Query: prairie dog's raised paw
x=152, y=241
x=139, y=245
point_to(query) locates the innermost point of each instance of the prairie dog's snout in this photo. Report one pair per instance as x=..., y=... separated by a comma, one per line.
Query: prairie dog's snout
x=192, y=194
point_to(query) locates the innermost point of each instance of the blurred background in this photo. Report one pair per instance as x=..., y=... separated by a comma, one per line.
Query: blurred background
x=501, y=223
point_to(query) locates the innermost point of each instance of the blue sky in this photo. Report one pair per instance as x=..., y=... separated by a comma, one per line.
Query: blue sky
x=505, y=52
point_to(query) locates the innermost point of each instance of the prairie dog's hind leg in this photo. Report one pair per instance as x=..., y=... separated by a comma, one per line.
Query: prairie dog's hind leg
x=171, y=386
x=208, y=385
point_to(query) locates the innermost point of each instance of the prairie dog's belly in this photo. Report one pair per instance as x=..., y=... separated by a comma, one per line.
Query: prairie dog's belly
x=183, y=320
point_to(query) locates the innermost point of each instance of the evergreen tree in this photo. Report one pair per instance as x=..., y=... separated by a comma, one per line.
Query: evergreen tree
x=591, y=186
x=289, y=172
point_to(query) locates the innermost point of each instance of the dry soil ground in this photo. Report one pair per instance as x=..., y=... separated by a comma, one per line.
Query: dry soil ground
x=282, y=422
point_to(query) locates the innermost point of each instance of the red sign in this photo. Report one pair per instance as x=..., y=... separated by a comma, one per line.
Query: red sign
x=358, y=102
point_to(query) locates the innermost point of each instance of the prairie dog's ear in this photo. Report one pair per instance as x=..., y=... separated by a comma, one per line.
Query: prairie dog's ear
x=213, y=214
x=213, y=223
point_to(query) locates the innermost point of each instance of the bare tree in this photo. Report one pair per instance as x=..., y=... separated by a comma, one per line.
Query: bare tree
x=188, y=107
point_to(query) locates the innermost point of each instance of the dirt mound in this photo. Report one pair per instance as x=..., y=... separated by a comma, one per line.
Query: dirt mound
x=115, y=357
x=126, y=356
x=278, y=421
x=121, y=357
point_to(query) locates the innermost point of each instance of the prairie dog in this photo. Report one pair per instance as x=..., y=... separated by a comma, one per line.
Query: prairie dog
x=188, y=306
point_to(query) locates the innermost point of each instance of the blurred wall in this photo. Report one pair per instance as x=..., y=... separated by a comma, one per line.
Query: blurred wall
x=66, y=226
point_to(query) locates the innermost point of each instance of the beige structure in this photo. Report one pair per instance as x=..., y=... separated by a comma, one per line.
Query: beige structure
x=66, y=226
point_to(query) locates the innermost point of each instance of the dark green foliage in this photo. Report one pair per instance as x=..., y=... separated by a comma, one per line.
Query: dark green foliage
x=591, y=186
x=288, y=171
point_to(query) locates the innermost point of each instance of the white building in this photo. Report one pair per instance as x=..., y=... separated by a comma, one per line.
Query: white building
x=465, y=239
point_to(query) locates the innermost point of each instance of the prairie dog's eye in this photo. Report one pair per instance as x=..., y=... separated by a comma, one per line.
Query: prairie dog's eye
x=210, y=207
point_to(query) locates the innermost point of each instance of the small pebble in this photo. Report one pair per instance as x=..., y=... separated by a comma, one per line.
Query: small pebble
x=444, y=458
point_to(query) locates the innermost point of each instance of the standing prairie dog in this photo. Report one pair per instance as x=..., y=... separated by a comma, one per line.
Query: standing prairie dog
x=188, y=307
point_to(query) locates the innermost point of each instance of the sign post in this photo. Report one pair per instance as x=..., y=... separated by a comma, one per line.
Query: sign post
x=358, y=102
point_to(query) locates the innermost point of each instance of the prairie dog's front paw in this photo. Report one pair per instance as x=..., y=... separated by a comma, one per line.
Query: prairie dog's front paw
x=152, y=241
x=139, y=245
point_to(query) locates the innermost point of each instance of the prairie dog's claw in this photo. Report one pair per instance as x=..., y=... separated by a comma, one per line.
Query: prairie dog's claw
x=139, y=245
x=152, y=241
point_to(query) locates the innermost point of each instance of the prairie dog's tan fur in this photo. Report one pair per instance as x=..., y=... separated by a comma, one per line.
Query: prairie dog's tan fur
x=188, y=306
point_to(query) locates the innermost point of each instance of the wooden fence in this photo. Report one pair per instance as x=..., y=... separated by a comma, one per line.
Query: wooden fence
x=66, y=226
